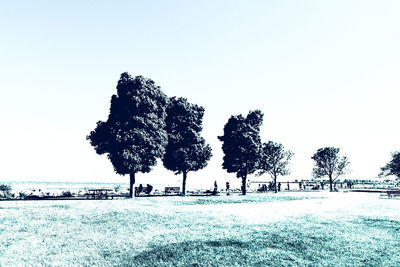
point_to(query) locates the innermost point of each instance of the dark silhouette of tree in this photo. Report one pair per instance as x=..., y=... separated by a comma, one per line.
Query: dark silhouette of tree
x=392, y=167
x=274, y=161
x=5, y=190
x=328, y=162
x=186, y=150
x=242, y=145
x=134, y=135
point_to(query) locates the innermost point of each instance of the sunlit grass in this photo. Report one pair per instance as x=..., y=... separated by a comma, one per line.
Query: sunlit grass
x=263, y=230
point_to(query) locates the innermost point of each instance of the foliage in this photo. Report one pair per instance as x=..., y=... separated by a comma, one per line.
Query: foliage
x=328, y=162
x=392, y=167
x=274, y=160
x=5, y=190
x=133, y=137
x=242, y=145
x=186, y=149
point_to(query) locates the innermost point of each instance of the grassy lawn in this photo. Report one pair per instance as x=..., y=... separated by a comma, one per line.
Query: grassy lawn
x=351, y=229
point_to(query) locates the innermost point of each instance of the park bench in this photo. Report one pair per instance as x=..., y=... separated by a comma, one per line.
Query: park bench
x=172, y=190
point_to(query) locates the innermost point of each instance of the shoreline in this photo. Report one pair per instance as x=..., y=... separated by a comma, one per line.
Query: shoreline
x=125, y=196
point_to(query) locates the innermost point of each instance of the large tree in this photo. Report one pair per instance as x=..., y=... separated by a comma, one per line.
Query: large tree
x=392, y=167
x=134, y=135
x=242, y=145
x=186, y=150
x=328, y=162
x=274, y=161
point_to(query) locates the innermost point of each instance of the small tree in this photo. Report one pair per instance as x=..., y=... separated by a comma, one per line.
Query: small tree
x=242, y=145
x=274, y=161
x=5, y=190
x=186, y=150
x=133, y=137
x=328, y=162
x=392, y=167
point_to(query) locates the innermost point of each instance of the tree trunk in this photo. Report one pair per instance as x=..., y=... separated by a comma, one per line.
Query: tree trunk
x=244, y=185
x=275, y=185
x=184, y=183
x=330, y=183
x=131, y=183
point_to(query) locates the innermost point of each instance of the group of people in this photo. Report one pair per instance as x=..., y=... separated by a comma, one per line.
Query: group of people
x=271, y=187
x=303, y=186
x=261, y=187
x=147, y=190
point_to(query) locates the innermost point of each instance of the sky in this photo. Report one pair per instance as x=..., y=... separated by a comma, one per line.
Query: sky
x=324, y=73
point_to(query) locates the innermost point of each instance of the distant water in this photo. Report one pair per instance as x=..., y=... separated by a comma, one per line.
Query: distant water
x=23, y=186
x=58, y=187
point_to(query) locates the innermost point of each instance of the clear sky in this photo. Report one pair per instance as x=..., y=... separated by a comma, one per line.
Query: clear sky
x=325, y=73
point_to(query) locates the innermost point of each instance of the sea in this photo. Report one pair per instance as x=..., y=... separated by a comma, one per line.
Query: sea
x=59, y=187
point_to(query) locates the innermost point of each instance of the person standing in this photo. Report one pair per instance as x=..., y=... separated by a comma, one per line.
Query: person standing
x=139, y=190
x=215, y=192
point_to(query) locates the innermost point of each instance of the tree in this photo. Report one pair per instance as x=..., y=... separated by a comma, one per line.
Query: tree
x=186, y=150
x=5, y=190
x=242, y=145
x=134, y=135
x=392, y=167
x=328, y=162
x=274, y=161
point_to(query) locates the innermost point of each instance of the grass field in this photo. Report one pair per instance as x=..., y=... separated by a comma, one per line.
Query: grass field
x=287, y=229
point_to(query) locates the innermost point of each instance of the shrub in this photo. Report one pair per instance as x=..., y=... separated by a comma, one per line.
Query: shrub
x=5, y=190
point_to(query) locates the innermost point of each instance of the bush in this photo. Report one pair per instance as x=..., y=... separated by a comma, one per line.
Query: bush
x=5, y=190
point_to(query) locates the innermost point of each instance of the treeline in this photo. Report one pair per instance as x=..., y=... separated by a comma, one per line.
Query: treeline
x=144, y=124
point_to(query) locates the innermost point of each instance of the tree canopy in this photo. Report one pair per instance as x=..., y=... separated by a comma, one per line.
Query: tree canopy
x=242, y=145
x=392, y=167
x=186, y=149
x=134, y=135
x=328, y=162
x=274, y=160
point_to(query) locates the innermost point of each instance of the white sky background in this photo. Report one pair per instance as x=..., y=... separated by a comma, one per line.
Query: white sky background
x=325, y=73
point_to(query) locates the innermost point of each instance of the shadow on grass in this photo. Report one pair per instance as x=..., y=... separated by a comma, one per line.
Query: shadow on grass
x=312, y=242
x=388, y=224
x=60, y=206
x=266, y=250
x=241, y=199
